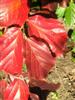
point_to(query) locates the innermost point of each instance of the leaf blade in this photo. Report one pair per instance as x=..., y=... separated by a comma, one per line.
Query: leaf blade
x=16, y=10
x=50, y=30
x=39, y=59
x=11, y=56
x=17, y=90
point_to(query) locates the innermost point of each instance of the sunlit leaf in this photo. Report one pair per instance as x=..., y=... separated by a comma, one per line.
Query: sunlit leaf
x=11, y=58
x=17, y=90
x=60, y=11
x=13, y=12
x=51, y=30
x=54, y=96
x=39, y=59
x=70, y=15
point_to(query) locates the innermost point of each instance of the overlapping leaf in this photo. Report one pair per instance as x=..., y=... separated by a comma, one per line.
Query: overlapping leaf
x=17, y=90
x=13, y=12
x=11, y=58
x=51, y=30
x=39, y=59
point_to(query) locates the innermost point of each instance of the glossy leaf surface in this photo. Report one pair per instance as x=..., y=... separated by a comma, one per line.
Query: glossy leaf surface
x=51, y=30
x=11, y=58
x=17, y=90
x=13, y=12
x=39, y=59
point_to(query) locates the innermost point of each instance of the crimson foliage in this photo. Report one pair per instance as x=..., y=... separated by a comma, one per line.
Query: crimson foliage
x=37, y=49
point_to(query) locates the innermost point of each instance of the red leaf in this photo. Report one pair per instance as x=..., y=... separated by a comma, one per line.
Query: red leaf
x=3, y=86
x=47, y=4
x=44, y=85
x=38, y=58
x=11, y=44
x=13, y=12
x=51, y=30
x=17, y=90
x=64, y=3
x=34, y=96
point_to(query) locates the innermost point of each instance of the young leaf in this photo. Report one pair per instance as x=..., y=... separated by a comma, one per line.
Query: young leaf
x=60, y=11
x=54, y=96
x=70, y=15
x=39, y=59
x=13, y=12
x=11, y=44
x=17, y=90
x=51, y=30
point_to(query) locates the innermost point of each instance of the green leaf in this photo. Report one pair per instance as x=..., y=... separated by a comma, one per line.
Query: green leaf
x=70, y=15
x=73, y=36
x=73, y=50
x=54, y=96
x=24, y=68
x=1, y=32
x=73, y=59
x=60, y=11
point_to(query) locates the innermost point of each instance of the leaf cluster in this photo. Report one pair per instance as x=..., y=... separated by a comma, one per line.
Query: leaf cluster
x=67, y=14
x=29, y=46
